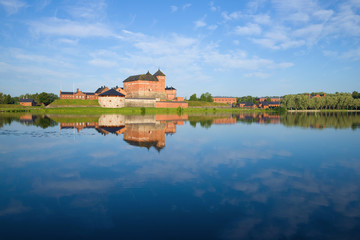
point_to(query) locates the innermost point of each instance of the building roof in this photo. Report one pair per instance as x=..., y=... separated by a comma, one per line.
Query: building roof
x=113, y=130
x=89, y=93
x=146, y=144
x=67, y=93
x=170, y=88
x=144, y=77
x=223, y=97
x=247, y=104
x=100, y=89
x=270, y=103
x=159, y=73
x=112, y=92
x=27, y=100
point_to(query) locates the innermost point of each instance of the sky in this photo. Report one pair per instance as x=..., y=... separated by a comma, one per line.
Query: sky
x=227, y=48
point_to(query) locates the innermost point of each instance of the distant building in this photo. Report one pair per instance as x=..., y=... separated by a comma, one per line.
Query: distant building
x=317, y=95
x=227, y=100
x=266, y=105
x=27, y=102
x=272, y=99
x=246, y=105
x=78, y=95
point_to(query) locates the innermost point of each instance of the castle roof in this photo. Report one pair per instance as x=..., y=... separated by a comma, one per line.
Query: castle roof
x=144, y=77
x=170, y=88
x=112, y=92
x=159, y=73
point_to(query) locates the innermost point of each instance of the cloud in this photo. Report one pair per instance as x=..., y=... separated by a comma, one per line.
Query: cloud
x=200, y=23
x=12, y=6
x=212, y=27
x=231, y=16
x=102, y=63
x=213, y=7
x=262, y=19
x=353, y=54
x=185, y=6
x=88, y=10
x=257, y=75
x=64, y=27
x=173, y=8
x=323, y=15
x=249, y=29
x=68, y=41
x=15, y=207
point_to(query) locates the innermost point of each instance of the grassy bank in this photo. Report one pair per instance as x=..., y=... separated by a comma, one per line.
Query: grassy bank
x=75, y=102
x=126, y=111
x=206, y=104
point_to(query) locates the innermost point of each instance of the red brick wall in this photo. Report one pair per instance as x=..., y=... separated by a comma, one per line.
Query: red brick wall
x=26, y=103
x=170, y=94
x=224, y=100
x=145, y=133
x=144, y=89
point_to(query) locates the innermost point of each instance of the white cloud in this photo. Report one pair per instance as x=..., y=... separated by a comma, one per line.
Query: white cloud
x=262, y=19
x=311, y=33
x=89, y=10
x=64, y=27
x=68, y=41
x=12, y=6
x=200, y=23
x=173, y=8
x=231, y=16
x=298, y=17
x=102, y=63
x=323, y=15
x=212, y=27
x=249, y=29
x=212, y=6
x=353, y=54
x=185, y=6
x=257, y=75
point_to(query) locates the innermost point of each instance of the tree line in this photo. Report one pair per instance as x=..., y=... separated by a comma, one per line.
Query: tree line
x=40, y=98
x=205, y=97
x=305, y=101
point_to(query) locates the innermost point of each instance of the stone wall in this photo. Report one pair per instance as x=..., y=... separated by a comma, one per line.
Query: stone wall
x=111, y=101
x=111, y=120
x=140, y=102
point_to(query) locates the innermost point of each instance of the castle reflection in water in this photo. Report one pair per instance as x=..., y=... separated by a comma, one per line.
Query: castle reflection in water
x=150, y=130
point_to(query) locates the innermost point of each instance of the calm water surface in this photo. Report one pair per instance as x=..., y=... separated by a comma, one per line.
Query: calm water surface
x=262, y=176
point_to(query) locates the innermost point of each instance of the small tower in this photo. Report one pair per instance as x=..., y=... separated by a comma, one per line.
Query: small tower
x=161, y=77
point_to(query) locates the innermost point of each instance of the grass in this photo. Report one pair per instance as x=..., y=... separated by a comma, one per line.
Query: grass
x=206, y=104
x=90, y=110
x=75, y=102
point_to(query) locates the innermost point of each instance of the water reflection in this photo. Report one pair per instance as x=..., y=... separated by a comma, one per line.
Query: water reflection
x=232, y=177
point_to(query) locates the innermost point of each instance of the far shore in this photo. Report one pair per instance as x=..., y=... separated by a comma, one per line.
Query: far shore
x=323, y=110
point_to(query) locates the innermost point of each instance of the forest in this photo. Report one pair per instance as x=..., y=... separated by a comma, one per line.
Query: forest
x=322, y=101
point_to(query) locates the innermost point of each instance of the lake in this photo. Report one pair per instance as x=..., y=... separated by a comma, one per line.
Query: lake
x=213, y=176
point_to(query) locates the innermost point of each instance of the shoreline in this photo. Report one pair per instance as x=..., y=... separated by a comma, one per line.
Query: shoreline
x=128, y=111
x=325, y=110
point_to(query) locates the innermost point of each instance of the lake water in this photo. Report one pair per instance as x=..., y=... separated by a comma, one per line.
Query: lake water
x=243, y=176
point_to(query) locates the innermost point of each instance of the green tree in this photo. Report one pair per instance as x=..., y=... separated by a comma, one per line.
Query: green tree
x=206, y=97
x=45, y=98
x=355, y=94
x=193, y=97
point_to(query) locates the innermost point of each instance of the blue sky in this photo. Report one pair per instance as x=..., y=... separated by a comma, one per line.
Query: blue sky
x=227, y=48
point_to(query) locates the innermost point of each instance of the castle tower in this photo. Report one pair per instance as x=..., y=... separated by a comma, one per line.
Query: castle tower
x=161, y=77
